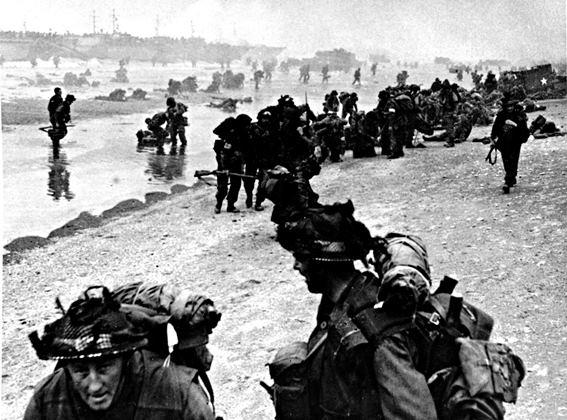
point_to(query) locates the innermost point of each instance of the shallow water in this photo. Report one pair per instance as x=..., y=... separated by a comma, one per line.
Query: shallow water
x=99, y=165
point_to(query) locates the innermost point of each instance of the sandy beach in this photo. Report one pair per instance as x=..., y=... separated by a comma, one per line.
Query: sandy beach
x=507, y=250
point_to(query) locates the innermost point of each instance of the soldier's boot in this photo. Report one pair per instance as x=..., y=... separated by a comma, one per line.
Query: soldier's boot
x=218, y=207
x=506, y=189
x=173, y=151
x=182, y=149
x=231, y=209
x=160, y=151
x=249, y=202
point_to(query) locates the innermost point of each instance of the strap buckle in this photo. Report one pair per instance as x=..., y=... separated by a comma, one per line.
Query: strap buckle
x=434, y=318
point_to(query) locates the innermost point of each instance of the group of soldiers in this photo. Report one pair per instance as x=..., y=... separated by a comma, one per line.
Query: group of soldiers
x=175, y=121
x=286, y=134
x=385, y=344
x=59, y=110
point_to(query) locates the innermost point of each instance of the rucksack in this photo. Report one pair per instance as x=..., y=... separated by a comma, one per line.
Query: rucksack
x=405, y=103
x=158, y=119
x=159, y=307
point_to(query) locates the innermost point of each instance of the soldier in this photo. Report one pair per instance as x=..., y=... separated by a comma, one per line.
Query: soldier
x=350, y=106
x=509, y=132
x=449, y=100
x=103, y=371
x=260, y=156
x=63, y=113
x=490, y=83
x=233, y=138
x=258, y=75
x=383, y=110
x=176, y=124
x=155, y=126
x=54, y=103
x=325, y=74
x=331, y=103
x=356, y=76
x=369, y=356
x=373, y=69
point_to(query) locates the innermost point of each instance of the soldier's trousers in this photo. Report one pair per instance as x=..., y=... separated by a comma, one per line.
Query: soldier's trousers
x=174, y=131
x=399, y=136
x=510, y=159
x=385, y=139
x=230, y=164
x=253, y=170
x=449, y=121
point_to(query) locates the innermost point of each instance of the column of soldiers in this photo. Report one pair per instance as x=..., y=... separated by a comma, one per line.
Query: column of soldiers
x=247, y=151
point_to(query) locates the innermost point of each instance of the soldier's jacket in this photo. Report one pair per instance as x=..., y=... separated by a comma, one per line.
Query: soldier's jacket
x=150, y=391
x=351, y=378
x=510, y=129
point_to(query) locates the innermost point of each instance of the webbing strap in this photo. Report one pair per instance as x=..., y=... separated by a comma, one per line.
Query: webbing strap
x=489, y=158
x=209, y=387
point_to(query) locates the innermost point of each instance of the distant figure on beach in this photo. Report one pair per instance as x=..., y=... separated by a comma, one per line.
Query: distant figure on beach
x=325, y=74
x=356, y=77
x=54, y=103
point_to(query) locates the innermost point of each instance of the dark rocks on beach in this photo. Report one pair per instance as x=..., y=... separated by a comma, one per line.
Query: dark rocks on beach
x=154, y=197
x=123, y=207
x=25, y=243
x=85, y=220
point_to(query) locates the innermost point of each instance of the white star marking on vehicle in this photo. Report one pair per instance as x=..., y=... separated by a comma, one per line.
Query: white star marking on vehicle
x=543, y=81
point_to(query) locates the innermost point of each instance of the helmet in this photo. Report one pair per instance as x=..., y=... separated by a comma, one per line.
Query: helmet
x=93, y=327
x=328, y=233
x=170, y=101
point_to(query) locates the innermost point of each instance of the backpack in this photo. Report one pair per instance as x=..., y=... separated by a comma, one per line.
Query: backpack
x=158, y=119
x=405, y=104
x=157, y=308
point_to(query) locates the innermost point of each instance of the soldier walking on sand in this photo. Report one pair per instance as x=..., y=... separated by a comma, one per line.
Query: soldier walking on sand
x=509, y=132
x=374, y=353
x=356, y=76
x=104, y=372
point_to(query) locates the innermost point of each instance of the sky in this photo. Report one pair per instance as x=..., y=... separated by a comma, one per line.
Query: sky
x=464, y=30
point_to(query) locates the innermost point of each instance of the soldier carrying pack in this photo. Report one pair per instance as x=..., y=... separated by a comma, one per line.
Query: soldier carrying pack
x=467, y=375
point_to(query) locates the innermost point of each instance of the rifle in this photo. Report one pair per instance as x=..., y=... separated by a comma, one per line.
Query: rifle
x=204, y=172
x=49, y=127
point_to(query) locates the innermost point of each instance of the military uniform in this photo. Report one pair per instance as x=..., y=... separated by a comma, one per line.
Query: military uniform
x=177, y=123
x=149, y=391
x=511, y=130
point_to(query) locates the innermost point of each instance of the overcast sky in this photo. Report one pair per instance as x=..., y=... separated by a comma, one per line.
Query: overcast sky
x=422, y=29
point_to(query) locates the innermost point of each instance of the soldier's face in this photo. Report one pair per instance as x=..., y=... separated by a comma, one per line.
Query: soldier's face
x=97, y=380
x=313, y=275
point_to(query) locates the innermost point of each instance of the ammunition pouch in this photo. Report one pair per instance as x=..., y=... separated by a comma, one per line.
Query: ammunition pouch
x=290, y=392
x=491, y=368
x=453, y=400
